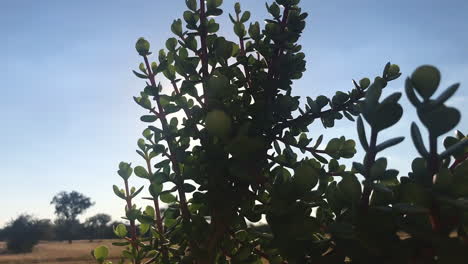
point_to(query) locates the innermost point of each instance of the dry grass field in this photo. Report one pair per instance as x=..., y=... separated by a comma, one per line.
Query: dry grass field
x=61, y=252
x=58, y=252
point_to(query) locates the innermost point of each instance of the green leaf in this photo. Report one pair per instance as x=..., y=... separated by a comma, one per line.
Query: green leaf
x=350, y=187
x=254, y=31
x=176, y=27
x=418, y=141
x=214, y=3
x=141, y=144
x=149, y=211
x=425, y=80
x=455, y=148
x=274, y=10
x=305, y=177
x=152, y=253
x=135, y=193
x=239, y=29
x=340, y=98
x=142, y=68
x=212, y=26
x=364, y=83
x=167, y=198
x=237, y=8
x=101, y=253
x=362, y=133
x=389, y=143
x=373, y=94
x=333, y=146
x=359, y=168
x=144, y=228
x=147, y=134
x=191, y=4
x=459, y=134
x=377, y=170
x=142, y=46
x=141, y=172
x=439, y=120
x=143, y=102
x=118, y=192
x=245, y=17
x=120, y=230
x=188, y=188
x=443, y=97
x=318, y=142
x=411, y=94
x=386, y=115
x=125, y=170
x=155, y=189
x=148, y=118
x=139, y=75
x=171, y=44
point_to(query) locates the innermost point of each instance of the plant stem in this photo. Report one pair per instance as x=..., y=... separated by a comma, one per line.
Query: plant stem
x=311, y=150
x=170, y=142
x=433, y=163
x=128, y=199
x=309, y=116
x=368, y=163
x=159, y=222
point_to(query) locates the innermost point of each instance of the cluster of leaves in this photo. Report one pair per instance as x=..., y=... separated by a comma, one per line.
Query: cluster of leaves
x=228, y=145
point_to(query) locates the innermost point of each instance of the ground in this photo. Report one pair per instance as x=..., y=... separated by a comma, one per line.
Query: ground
x=59, y=252
x=79, y=252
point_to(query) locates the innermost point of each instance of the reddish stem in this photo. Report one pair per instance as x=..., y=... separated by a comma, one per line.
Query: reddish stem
x=128, y=199
x=159, y=222
x=175, y=165
x=458, y=161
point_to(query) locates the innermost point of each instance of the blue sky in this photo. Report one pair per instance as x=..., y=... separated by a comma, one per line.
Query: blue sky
x=67, y=115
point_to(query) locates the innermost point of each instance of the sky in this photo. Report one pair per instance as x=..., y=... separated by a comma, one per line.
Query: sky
x=67, y=115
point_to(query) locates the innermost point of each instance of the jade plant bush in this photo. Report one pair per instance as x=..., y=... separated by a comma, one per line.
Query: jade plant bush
x=227, y=147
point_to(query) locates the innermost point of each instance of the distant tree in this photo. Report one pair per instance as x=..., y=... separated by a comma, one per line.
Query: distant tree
x=67, y=207
x=22, y=234
x=66, y=229
x=96, y=226
x=45, y=228
x=2, y=234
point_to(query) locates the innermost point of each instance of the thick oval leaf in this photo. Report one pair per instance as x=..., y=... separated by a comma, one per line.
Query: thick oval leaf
x=120, y=230
x=418, y=141
x=387, y=115
x=101, y=252
x=426, y=79
x=167, y=198
x=439, y=120
x=141, y=172
x=148, y=118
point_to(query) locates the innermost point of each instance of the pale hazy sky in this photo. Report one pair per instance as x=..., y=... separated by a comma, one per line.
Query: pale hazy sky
x=66, y=110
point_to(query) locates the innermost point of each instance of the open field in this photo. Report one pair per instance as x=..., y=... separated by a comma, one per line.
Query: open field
x=61, y=252
x=58, y=252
